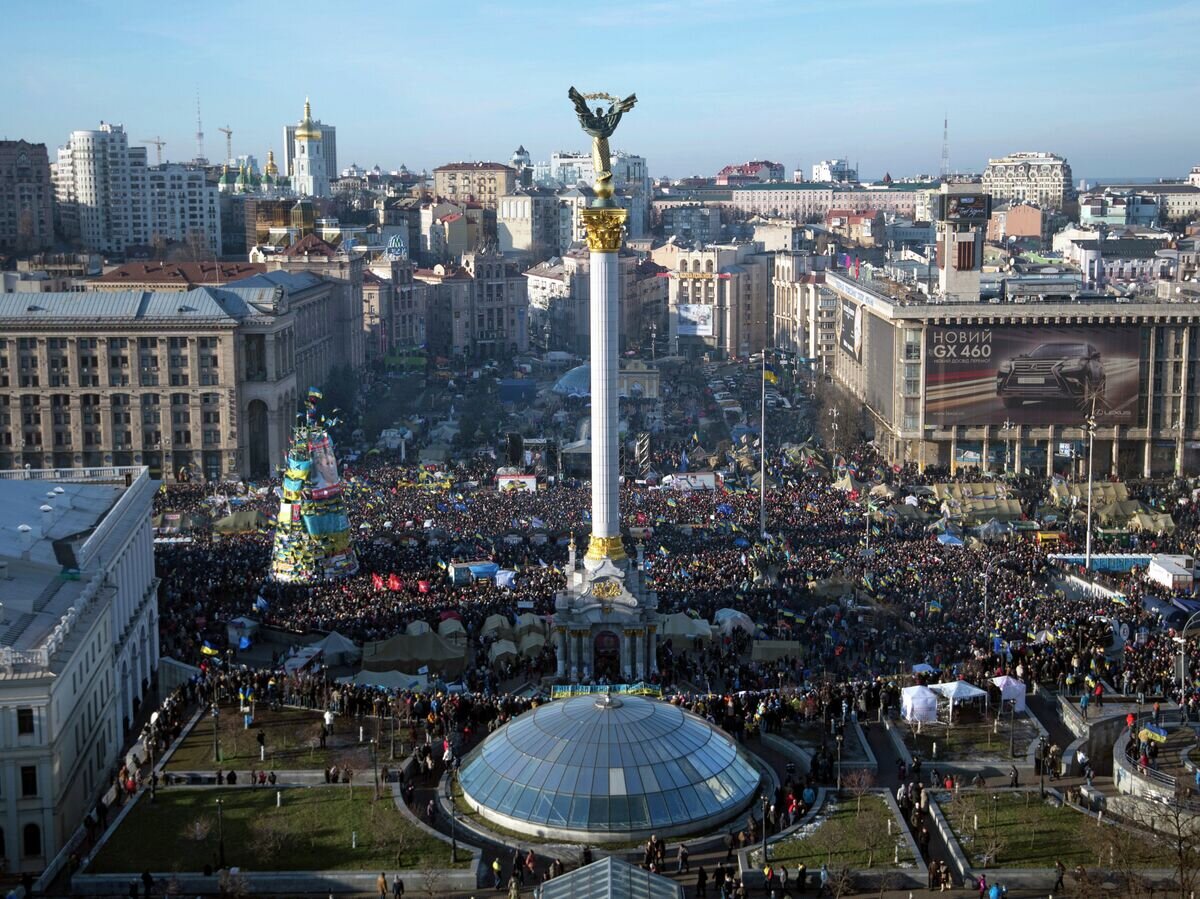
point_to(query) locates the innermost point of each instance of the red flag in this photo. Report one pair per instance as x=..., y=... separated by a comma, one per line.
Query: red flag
x=423, y=586
x=377, y=581
x=394, y=583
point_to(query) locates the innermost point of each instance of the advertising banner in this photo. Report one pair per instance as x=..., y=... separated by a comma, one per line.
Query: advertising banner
x=1025, y=375
x=694, y=320
x=851, y=329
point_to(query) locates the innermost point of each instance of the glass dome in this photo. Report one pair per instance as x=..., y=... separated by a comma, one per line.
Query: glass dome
x=576, y=382
x=621, y=766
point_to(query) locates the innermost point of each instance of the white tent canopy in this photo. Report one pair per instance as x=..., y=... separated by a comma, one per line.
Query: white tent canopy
x=531, y=644
x=1011, y=689
x=502, y=649
x=452, y=630
x=729, y=619
x=918, y=704
x=241, y=627
x=684, y=626
x=957, y=692
x=527, y=622
x=339, y=650
x=418, y=627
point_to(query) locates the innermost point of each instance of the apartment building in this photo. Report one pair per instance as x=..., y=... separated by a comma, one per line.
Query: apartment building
x=718, y=300
x=26, y=197
x=479, y=182
x=1042, y=178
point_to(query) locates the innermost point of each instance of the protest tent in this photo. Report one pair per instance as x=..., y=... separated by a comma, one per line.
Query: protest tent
x=957, y=692
x=240, y=627
x=531, y=644
x=949, y=540
x=918, y=704
x=416, y=628
x=388, y=680
x=685, y=627
x=730, y=619
x=496, y=625
x=506, y=578
x=243, y=521
x=408, y=652
x=923, y=668
x=339, y=650
x=848, y=484
x=527, y=622
x=1011, y=689
x=502, y=651
x=452, y=631
x=773, y=650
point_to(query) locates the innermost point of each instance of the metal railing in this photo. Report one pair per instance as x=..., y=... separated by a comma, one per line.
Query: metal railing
x=103, y=474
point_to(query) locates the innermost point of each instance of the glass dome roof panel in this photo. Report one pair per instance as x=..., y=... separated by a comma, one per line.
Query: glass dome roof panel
x=626, y=764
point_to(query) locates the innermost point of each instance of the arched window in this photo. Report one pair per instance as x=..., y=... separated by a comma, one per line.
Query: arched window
x=708, y=266
x=33, y=840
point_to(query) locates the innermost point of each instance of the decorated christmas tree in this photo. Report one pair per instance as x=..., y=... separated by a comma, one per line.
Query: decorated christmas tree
x=312, y=530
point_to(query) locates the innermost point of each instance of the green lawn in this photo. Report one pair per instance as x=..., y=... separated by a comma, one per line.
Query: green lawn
x=844, y=836
x=1031, y=833
x=291, y=736
x=310, y=832
x=970, y=740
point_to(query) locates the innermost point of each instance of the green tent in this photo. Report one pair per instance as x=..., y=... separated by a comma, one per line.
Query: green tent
x=243, y=521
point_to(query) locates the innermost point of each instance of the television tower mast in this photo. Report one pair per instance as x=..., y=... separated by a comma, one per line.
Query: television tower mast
x=200, y=160
x=945, y=146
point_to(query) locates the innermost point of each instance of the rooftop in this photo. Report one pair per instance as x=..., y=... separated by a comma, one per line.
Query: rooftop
x=53, y=545
x=474, y=167
x=225, y=305
x=612, y=878
x=180, y=272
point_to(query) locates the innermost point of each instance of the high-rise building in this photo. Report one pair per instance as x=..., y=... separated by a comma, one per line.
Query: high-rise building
x=328, y=148
x=528, y=222
x=309, y=165
x=1042, y=178
x=26, y=197
x=183, y=205
x=718, y=300
x=100, y=187
x=79, y=625
x=109, y=200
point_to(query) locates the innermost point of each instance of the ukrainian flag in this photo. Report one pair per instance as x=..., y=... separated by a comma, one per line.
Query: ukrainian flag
x=934, y=606
x=209, y=650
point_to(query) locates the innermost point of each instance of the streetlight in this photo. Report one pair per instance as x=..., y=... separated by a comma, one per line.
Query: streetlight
x=1012, y=728
x=840, y=738
x=1182, y=638
x=453, y=817
x=1090, y=425
x=1042, y=766
x=764, y=827
x=1007, y=426
x=216, y=714
x=152, y=738
x=375, y=764
x=220, y=834
x=987, y=576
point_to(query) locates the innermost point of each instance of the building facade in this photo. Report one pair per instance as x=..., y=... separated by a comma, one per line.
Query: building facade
x=309, y=167
x=183, y=206
x=77, y=652
x=26, y=198
x=528, y=222
x=202, y=382
x=1042, y=178
x=755, y=170
x=803, y=312
x=718, y=301
x=834, y=170
x=479, y=309
x=328, y=149
x=480, y=182
x=100, y=190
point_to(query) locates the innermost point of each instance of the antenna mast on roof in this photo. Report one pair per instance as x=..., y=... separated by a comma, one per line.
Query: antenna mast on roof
x=945, y=146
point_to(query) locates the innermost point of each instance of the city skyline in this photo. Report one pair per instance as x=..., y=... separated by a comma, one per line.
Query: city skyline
x=677, y=56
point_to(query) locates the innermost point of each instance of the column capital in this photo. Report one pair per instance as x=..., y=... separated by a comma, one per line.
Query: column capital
x=604, y=227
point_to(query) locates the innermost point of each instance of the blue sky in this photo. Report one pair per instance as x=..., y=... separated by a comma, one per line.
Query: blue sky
x=1105, y=83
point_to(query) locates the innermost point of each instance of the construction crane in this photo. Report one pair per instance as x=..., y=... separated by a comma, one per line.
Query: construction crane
x=158, y=142
x=228, y=132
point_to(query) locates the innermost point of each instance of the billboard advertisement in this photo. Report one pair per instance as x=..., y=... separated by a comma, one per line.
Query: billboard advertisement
x=1027, y=375
x=968, y=208
x=694, y=320
x=851, y=329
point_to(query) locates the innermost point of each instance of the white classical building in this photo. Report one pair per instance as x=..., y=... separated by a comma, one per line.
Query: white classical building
x=78, y=645
x=1042, y=178
x=310, y=176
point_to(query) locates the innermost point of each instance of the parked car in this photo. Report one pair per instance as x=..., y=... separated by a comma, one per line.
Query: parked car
x=1052, y=371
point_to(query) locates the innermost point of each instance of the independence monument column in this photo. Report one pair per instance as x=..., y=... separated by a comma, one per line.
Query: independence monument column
x=604, y=221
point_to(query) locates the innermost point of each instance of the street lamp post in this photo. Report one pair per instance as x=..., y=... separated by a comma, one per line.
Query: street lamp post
x=220, y=834
x=1012, y=729
x=453, y=817
x=1008, y=426
x=840, y=738
x=152, y=738
x=375, y=764
x=1182, y=638
x=1090, y=424
x=216, y=714
x=1042, y=766
x=764, y=827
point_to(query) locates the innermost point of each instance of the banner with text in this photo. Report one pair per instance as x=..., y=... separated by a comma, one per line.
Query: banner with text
x=694, y=320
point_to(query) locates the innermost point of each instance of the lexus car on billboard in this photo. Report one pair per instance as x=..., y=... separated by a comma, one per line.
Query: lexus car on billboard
x=1031, y=375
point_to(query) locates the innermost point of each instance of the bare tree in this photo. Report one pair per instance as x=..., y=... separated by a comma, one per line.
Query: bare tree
x=1178, y=826
x=859, y=783
x=431, y=879
x=198, y=829
x=873, y=832
x=270, y=838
